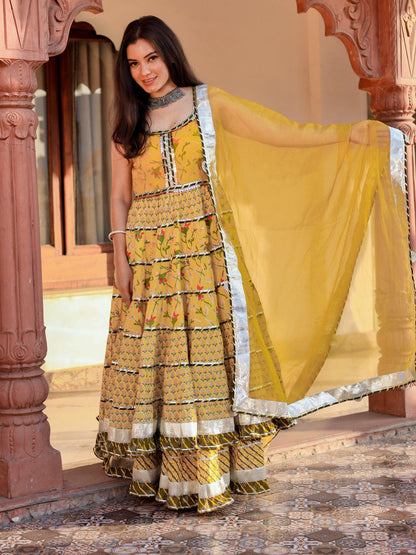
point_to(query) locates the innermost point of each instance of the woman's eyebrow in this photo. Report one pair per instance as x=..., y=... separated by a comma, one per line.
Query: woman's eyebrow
x=147, y=55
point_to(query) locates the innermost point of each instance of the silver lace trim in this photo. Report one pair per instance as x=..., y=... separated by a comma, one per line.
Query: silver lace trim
x=169, y=429
x=238, y=300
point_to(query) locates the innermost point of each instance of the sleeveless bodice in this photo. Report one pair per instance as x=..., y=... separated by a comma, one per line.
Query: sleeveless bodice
x=173, y=159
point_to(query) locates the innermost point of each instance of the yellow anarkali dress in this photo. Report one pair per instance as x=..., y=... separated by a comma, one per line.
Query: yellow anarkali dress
x=243, y=235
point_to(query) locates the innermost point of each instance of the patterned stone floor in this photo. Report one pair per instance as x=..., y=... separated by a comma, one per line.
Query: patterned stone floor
x=360, y=499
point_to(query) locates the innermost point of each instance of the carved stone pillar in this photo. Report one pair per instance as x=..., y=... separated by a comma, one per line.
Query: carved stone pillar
x=380, y=38
x=32, y=30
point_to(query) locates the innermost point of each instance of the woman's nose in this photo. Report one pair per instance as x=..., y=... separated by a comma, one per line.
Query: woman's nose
x=145, y=69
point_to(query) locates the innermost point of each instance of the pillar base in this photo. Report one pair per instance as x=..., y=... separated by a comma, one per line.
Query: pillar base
x=29, y=475
x=397, y=402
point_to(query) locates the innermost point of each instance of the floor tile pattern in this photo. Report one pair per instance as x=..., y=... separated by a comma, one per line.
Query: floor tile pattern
x=356, y=500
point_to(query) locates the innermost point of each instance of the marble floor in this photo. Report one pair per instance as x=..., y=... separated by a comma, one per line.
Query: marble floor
x=359, y=499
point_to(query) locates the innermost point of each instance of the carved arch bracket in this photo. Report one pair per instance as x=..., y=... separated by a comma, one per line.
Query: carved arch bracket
x=61, y=14
x=355, y=23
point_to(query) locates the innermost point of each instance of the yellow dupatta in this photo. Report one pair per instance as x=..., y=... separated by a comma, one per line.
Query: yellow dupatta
x=295, y=202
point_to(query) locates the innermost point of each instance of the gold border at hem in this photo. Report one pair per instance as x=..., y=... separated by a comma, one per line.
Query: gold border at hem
x=143, y=489
x=105, y=448
x=250, y=488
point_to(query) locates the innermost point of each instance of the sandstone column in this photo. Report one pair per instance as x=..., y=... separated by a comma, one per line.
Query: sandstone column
x=31, y=31
x=380, y=38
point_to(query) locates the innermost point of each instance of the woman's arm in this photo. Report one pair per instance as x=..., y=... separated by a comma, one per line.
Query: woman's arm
x=120, y=204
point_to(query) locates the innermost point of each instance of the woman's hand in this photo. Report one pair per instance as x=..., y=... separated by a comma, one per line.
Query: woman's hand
x=123, y=277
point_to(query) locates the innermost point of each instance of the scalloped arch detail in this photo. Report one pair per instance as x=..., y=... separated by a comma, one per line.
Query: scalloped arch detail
x=355, y=23
x=61, y=14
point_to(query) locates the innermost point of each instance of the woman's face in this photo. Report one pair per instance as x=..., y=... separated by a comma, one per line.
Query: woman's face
x=148, y=69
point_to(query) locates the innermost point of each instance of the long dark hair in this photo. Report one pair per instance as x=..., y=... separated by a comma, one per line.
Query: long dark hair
x=131, y=101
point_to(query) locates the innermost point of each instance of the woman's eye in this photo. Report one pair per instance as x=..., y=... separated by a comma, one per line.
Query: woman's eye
x=152, y=58
x=133, y=64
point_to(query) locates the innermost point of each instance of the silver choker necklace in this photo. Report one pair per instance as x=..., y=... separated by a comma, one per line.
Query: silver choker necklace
x=162, y=101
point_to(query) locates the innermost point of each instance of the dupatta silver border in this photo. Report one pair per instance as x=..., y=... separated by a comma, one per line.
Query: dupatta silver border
x=238, y=300
x=242, y=401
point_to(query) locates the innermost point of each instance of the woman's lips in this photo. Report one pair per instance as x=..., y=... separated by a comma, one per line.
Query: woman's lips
x=149, y=81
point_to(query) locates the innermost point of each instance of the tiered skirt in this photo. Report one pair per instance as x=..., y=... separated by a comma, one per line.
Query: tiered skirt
x=165, y=412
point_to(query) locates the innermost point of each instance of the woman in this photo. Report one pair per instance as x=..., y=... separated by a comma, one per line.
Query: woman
x=236, y=235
